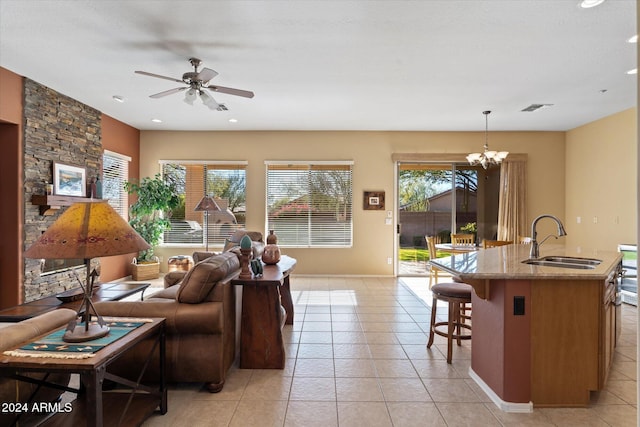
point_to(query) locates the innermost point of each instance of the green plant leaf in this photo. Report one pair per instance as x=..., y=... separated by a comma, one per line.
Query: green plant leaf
x=149, y=215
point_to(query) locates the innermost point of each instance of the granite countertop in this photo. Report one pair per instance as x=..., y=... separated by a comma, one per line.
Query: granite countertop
x=505, y=262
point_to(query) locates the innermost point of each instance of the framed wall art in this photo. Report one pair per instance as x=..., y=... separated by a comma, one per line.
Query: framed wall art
x=69, y=180
x=374, y=200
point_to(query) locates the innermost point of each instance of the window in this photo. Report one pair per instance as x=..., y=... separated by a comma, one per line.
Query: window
x=225, y=182
x=309, y=204
x=115, y=171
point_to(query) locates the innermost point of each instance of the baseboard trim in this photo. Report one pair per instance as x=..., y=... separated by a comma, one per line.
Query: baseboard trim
x=501, y=404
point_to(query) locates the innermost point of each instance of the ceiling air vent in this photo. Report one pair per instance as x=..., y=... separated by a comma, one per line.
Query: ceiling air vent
x=222, y=107
x=533, y=107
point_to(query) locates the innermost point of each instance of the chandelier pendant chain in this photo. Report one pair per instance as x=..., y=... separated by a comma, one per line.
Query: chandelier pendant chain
x=486, y=130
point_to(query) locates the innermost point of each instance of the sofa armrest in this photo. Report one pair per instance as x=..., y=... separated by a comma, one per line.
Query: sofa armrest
x=31, y=328
x=185, y=319
x=168, y=293
x=173, y=278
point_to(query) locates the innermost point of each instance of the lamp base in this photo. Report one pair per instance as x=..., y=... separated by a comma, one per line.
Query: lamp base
x=245, y=273
x=81, y=334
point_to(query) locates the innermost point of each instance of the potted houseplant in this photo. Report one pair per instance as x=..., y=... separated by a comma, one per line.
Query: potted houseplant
x=149, y=216
x=470, y=228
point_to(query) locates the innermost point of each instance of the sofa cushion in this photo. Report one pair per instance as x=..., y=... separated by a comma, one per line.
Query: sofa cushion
x=201, y=256
x=201, y=279
x=237, y=235
x=232, y=244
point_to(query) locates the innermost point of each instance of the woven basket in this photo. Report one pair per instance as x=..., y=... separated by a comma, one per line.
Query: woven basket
x=145, y=270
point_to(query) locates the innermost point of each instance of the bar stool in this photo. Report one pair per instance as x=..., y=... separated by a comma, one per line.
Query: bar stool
x=457, y=295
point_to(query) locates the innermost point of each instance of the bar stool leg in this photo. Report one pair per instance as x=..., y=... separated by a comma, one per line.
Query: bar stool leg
x=433, y=322
x=457, y=321
x=450, y=328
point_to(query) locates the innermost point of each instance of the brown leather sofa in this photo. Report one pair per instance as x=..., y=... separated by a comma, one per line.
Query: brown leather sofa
x=232, y=245
x=12, y=391
x=200, y=315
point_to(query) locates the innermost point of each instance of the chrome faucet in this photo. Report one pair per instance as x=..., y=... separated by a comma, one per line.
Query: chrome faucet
x=535, y=246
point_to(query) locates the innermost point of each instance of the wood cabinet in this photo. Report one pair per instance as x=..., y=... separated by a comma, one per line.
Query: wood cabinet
x=608, y=325
x=565, y=341
x=573, y=340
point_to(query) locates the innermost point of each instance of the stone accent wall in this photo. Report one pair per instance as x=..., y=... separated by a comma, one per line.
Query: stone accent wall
x=56, y=128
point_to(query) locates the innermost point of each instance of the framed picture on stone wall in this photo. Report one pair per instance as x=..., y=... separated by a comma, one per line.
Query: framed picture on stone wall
x=69, y=180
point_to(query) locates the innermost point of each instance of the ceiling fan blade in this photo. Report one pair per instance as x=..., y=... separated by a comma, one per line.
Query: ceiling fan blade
x=168, y=92
x=209, y=101
x=206, y=74
x=231, y=91
x=144, y=73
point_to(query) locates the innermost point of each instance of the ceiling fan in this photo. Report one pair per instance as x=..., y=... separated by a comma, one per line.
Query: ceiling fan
x=196, y=82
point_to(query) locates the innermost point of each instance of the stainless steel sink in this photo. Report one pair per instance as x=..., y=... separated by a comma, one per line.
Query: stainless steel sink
x=575, y=260
x=565, y=262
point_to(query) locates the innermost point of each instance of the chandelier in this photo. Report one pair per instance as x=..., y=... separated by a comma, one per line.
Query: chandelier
x=488, y=157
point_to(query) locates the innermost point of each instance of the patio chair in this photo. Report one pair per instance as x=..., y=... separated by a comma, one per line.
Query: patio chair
x=495, y=243
x=433, y=254
x=463, y=239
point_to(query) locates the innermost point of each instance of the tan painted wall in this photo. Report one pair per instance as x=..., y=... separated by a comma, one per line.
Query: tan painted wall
x=373, y=170
x=601, y=182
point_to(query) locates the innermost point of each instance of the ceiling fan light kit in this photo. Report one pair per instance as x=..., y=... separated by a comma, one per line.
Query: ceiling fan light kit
x=190, y=96
x=196, y=82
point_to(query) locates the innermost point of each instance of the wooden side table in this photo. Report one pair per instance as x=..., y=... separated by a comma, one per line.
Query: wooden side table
x=93, y=406
x=105, y=292
x=261, y=342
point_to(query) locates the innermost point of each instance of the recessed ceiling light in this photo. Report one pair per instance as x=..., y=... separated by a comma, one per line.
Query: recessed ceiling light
x=156, y=120
x=233, y=120
x=586, y=4
x=634, y=71
x=633, y=39
x=118, y=98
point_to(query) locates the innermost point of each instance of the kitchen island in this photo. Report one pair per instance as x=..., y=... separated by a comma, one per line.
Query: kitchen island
x=542, y=335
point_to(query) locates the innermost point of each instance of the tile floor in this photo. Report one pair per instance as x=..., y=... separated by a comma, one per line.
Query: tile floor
x=356, y=356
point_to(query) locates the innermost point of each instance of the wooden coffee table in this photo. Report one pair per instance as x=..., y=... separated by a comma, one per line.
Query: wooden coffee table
x=93, y=406
x=261, y=342
x=105, y=292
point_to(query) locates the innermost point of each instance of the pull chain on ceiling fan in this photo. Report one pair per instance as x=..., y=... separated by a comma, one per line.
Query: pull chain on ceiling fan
x=196, y=82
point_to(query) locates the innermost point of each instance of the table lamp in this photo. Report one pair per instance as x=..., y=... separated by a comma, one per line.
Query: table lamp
x=87, y=230
x=207, y=204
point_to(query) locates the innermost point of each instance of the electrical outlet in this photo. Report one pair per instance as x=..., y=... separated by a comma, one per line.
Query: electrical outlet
x=595, y=219
x=389, y=260
x=518, y=306
x=578, y=220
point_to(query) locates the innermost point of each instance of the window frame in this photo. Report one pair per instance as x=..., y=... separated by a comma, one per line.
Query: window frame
x=241, y=164
x=310, y=164
x=122, y=205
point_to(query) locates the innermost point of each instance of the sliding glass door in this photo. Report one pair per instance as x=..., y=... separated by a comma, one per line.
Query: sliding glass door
x=437, y=199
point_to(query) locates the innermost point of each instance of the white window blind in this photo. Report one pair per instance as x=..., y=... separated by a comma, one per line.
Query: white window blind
x=115, y=171
x=309, y=204
x=225, y=182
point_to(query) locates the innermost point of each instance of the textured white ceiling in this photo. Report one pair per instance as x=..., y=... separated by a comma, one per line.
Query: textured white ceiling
x=333, y=65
